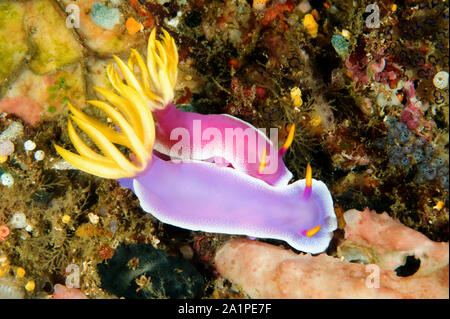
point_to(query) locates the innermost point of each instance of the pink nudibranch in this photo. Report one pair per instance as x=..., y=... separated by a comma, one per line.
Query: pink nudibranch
x=219, y=137
x=199, y=195
x=202, y=196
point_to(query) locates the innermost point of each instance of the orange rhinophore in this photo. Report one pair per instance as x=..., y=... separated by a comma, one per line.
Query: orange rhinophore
x=289, y=139
x=263, y=163
x=308, y=186
x=313, y=231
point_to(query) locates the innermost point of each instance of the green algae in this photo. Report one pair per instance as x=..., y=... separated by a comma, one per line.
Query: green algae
x=69, y=86
x=55, y=45
x=13, y=46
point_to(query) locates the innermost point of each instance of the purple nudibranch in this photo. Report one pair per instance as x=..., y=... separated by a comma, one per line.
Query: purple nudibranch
x=194, y=194
x=201, y=196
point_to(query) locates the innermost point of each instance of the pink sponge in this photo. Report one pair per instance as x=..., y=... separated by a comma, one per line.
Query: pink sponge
x=391, y=241
x=63, y=292
x=267, y=271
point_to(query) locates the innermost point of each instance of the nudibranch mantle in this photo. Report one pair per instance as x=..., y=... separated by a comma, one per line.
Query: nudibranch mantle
x=219, y=145
x=200, y=196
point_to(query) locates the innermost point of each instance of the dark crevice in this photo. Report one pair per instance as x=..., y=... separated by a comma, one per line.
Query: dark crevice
x=409, y=268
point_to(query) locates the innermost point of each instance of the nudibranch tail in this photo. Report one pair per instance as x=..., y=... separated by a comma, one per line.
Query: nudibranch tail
x=308, y=187
x=137, y=132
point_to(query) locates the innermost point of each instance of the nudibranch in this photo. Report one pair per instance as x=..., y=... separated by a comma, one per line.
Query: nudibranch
x=221, y=138
x=197, y=195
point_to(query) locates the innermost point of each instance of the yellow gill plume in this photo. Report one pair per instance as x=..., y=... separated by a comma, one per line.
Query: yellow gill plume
x=137, y=132
x=154, y=81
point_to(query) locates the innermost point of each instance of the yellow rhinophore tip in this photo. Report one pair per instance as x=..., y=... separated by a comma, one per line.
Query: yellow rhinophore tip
x=308, y=176
x=290, y=138
x=308, y=186
x=313, y=231
x=263, y=163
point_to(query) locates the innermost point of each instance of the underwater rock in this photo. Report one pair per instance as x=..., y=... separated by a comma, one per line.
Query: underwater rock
x=34, y=97
x=142, y=271
x=97, y=77
x=391, y=242
x=96, y=37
